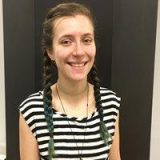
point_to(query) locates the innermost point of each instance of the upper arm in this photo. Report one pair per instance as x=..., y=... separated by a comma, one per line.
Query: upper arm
x=115, y=149
x=28, y=144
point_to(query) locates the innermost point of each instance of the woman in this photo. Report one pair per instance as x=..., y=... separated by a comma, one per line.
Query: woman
x=73, y=118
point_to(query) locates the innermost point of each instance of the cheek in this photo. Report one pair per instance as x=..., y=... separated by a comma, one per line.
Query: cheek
x=92, y=51
x=59, y=54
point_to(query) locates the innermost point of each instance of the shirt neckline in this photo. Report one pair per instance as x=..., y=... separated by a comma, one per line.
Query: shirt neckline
x=73, y=118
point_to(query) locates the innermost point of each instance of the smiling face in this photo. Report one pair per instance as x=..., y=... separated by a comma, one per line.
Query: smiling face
x=73, y=47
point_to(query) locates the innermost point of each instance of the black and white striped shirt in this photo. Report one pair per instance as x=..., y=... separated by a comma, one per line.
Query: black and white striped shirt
x=73, y=137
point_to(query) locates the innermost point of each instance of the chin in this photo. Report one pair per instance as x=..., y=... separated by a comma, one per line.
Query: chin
x=78, y=78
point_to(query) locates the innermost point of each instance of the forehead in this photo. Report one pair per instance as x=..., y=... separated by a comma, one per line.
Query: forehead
x=75, y=25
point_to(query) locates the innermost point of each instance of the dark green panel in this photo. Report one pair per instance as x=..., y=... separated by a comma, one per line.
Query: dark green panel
x=19, y=64
x=134, y=33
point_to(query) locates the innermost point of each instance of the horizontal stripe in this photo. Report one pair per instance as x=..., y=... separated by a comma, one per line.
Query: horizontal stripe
x=72, y=136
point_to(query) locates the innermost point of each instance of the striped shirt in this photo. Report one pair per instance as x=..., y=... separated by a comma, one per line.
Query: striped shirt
x=73, y=137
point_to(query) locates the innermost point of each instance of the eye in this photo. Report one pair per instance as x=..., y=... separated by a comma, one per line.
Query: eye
x=66, y=42
x=88, y=40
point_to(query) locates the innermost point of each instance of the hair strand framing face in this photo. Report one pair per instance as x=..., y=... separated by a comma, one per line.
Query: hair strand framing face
x=65, y=10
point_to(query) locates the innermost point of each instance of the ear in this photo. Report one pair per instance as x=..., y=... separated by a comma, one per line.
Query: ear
x=50, y=54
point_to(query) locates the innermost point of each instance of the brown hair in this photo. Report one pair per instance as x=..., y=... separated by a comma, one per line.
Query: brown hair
x=63, y=10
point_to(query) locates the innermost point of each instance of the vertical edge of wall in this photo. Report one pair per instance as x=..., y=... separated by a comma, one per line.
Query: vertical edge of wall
x=155, y=128
x=134, y=33
x=19, y=64
x=2, y=86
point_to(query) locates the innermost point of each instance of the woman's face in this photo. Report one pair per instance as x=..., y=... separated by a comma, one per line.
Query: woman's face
x=73, y=47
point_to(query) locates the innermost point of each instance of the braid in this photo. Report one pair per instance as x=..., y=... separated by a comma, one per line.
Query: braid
x=96, y=82
x=48, y=102
x=48, y=32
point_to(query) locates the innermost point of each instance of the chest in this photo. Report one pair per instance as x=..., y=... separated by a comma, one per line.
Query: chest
x=74, y=139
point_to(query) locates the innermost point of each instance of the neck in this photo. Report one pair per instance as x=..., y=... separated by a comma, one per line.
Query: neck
x=72, y=88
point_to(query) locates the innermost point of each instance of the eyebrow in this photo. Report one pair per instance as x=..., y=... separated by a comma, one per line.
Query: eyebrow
x=70, y=35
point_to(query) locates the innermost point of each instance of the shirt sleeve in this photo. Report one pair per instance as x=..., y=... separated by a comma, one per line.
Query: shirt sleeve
x=111, y=106
x=29, y=109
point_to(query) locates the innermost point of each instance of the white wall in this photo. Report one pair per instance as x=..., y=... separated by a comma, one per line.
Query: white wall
x=2, y=88
x=155, y=130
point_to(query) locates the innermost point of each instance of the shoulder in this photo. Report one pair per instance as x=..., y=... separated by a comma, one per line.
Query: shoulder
x=107, y=94
x=109, y=98
x=32, y=103
x=32, y=110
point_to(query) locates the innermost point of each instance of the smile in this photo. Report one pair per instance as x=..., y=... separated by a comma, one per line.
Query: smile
x=74, y=64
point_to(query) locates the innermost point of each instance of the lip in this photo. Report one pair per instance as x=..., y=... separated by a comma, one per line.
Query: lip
x=77, y=64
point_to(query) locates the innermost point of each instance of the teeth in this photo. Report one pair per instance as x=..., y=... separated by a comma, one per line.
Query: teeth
x=77, y=64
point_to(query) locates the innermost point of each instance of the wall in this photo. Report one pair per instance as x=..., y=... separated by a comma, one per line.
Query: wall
x=2, y=91
x=19, y=54
x=155, y=130
x=134, y=34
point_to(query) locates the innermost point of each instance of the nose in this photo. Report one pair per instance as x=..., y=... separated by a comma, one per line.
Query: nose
x=79, y=49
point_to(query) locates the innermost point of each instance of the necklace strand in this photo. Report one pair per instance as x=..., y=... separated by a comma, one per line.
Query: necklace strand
x=80, y=154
